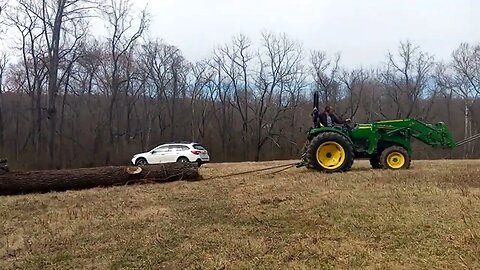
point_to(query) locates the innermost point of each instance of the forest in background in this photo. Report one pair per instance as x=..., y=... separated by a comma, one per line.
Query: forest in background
x=69, y=98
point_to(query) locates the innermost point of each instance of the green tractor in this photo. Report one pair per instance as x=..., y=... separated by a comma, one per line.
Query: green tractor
x=385, y=143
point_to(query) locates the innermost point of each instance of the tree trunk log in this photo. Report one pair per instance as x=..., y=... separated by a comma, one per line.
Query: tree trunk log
x=12, y=183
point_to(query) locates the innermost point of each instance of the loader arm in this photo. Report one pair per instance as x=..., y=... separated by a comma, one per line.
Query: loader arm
x=436, y=135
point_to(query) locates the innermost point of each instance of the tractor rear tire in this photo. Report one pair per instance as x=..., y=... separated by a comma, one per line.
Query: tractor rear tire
x=304, y=152
x=395, y=158
x=330, y=152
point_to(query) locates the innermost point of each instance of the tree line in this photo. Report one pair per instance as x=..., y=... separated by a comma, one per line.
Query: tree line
x=69, y=98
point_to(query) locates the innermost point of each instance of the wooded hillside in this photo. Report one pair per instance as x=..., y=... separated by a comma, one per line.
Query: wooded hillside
x=72, y=99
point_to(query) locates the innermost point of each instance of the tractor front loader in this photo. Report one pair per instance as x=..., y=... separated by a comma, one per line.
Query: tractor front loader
x=387, y=144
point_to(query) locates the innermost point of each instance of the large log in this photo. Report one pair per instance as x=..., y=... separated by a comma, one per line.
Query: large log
x=12, y=183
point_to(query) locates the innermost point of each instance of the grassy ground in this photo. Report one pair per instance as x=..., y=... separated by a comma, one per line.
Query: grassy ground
x=423, y=218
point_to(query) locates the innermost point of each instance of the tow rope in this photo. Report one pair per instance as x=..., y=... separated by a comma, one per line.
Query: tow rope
x=283, y=168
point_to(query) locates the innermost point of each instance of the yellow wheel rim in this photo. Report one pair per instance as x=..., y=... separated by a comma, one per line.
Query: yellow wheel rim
x=395, y=160
x=330, y=155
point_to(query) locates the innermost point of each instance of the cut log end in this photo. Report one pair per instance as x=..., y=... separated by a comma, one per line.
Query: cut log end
x=133, y=170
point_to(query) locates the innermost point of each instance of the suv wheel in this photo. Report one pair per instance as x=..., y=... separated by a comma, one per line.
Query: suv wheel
x=141, y=162
x=183, y=159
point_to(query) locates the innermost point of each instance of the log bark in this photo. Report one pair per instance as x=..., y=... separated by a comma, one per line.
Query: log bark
x=13, y=183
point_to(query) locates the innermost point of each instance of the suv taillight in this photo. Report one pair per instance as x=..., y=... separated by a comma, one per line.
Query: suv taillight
x=195, y=152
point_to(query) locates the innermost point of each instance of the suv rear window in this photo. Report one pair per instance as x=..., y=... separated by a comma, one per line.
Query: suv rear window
x=198, y=147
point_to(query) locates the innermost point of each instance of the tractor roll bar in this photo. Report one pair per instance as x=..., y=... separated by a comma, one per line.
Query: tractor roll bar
x=316, y=99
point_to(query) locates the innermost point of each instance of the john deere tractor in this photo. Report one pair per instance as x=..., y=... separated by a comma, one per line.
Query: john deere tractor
x=385, y=143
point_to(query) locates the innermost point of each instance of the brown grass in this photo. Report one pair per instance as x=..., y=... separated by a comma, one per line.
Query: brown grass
x=423, y=218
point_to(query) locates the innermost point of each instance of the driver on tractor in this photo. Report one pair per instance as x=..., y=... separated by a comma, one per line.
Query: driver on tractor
x=327, y=118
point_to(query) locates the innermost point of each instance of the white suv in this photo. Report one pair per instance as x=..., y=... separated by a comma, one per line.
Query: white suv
x=173, y=152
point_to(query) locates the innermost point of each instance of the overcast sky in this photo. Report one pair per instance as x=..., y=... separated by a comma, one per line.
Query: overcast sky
x=363, y=31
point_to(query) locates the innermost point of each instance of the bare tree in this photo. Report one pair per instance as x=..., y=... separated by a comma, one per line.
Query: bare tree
x=3, y=6
x=84, y=83
x=220, y=95
x=326, y=74
x=280, y=66
x=153, y=57
x=234, y=60
x=406, y=77
x=3, y=66
x=166, y=69
x=465, y=82
x=466, y=63
x=355, y=83
x=124, y=32
x=48, y=25
x=71, y=55
x=29, y=27
x=201, y=75
x=58, y=18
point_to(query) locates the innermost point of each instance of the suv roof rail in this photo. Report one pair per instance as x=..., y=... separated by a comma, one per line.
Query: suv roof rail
x=178, y=142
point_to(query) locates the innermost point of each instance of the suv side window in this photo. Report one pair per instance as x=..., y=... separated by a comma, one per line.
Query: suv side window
x=178, y=148
x=164, y=148
x=173, y=148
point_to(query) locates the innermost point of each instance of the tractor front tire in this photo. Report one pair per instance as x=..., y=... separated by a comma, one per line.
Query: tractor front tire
x=395, y=158
x=330, y=152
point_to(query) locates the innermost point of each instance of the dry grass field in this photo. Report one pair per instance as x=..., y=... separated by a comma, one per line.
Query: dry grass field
x=427, y=217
